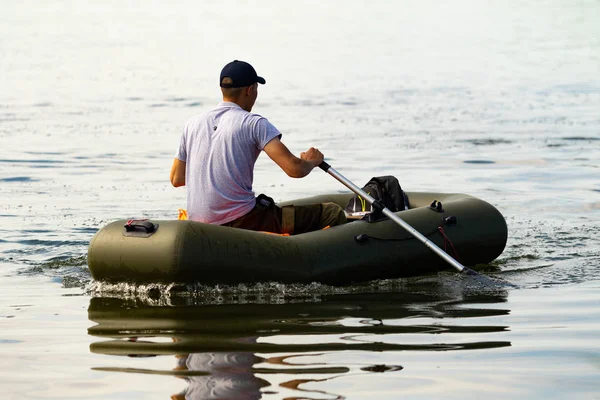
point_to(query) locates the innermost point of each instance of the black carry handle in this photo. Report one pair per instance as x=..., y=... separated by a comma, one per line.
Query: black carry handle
x=140, y=228
x=140, y=225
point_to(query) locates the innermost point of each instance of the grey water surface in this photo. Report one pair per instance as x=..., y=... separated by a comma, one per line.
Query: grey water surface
x=497, y=99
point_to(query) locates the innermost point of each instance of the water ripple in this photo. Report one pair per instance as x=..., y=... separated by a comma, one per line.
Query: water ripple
x=18, y=179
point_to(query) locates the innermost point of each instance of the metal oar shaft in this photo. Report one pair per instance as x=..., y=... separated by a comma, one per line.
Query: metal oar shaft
x=331, y=171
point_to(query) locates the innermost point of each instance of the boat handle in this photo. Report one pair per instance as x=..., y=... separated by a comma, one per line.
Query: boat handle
x=140, y=224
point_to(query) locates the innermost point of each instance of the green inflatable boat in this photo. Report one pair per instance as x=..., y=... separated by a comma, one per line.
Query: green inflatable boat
x=152, y=251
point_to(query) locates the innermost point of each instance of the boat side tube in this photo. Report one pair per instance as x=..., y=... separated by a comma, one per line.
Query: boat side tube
x=188, y=251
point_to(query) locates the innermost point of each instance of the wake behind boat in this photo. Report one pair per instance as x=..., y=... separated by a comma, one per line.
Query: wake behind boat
x=471, y=230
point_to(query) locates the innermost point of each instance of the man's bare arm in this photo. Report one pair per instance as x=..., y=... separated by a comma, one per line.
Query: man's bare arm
x=293, y=166
x=178, y=173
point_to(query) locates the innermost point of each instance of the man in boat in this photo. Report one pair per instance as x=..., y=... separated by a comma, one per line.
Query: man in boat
x=216, y=157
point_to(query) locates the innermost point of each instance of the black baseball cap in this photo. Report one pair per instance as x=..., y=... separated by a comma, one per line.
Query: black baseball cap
x=241, y=74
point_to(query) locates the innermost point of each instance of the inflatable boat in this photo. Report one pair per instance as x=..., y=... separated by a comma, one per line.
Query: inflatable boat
x=152, y=251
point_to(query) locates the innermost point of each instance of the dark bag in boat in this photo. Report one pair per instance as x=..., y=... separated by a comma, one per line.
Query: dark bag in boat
x=386, y=189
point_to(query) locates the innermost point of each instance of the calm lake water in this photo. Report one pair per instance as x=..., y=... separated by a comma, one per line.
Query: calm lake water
x=497, y=99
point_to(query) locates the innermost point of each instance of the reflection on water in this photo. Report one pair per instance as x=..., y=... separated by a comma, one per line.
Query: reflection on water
x=222, y=376
x=230, y=351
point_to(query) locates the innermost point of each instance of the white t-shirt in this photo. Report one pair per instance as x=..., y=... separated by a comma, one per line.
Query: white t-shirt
x=220, y=149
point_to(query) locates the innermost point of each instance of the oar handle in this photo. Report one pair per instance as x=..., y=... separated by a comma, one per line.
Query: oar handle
x=461, y=268
x=324, y=166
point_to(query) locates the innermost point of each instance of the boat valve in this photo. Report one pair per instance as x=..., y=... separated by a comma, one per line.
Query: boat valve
x=450, y=220
x=362, y=238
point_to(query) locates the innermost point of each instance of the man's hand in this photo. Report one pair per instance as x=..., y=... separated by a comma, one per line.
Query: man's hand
x=312, y=155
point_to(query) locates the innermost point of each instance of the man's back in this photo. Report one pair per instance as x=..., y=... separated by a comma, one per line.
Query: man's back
x=220, y=149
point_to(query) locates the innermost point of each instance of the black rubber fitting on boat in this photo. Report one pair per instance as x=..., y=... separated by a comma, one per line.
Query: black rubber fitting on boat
x=139, y=228
x=436, y=206
x=362, y=238
x=450, y=220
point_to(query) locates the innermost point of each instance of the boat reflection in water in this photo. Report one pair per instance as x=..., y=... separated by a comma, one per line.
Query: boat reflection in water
x=232, y=350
